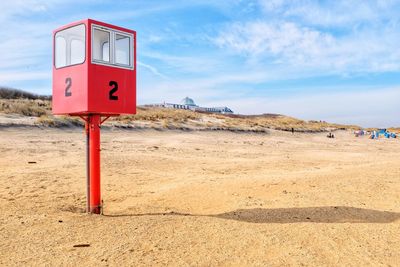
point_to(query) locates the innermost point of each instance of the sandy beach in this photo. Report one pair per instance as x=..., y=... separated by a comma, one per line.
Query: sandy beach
x=200, y=198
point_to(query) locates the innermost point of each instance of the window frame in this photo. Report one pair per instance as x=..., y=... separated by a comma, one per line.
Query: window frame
x=68, y=46
x=130, y=46
x=102, y=47
x=113, y=33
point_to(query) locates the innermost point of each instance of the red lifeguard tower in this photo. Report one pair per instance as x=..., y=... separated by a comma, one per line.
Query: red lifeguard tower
x=94, y=75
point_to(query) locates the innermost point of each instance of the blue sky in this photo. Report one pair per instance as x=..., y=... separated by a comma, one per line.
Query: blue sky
x=337, y=61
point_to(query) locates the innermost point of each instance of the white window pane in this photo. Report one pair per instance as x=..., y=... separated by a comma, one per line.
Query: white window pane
x=70, y=46
x=77, y=51
x=61, y=52
x=122, y=47
x=106, y=51
x=100, y=44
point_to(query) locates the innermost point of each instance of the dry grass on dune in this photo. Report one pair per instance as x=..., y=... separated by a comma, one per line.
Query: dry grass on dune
x=285, y=123
x=11, y=93
x=227, y=122
x=26, y=107
x=153, y=117
x=158, y=114
x=37, y=108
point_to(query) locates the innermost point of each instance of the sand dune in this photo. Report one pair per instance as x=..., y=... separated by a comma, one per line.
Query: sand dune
x=200, y=198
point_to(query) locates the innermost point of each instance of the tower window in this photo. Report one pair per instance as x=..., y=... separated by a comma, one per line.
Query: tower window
x=70, y=46
x=112, y=47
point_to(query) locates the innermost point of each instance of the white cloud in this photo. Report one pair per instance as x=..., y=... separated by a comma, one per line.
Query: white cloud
x=20, y=7
x=342, y=13
x=339, y=37
x=303, y=47
x=184, y=64
x=152, y=69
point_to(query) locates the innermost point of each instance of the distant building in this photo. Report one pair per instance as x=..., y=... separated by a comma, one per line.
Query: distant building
x=188, y=103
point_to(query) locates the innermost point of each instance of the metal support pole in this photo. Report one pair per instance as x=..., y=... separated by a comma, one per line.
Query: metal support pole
x=94, y=164
x=87, y=165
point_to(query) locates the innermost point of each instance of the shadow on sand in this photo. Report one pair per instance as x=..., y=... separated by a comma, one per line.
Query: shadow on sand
x=330, y=214
x=337, y=214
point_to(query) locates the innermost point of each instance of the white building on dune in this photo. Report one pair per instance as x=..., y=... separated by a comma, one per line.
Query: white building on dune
x=188, y=103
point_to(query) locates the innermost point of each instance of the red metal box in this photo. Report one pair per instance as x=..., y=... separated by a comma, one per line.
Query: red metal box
x=94, y=69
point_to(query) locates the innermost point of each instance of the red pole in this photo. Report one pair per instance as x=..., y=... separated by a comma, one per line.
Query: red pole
x=94, y=163
x=87, y=126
